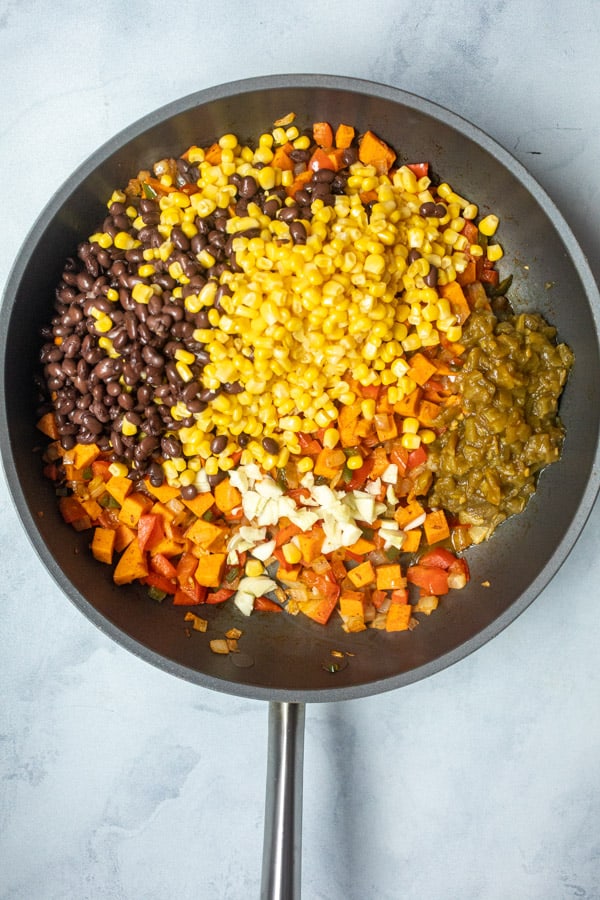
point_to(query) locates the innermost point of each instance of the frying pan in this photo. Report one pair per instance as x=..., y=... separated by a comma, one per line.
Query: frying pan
x=285, y=660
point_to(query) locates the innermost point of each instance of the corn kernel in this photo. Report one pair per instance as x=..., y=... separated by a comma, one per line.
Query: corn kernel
x=128, y=428
x=103, y=324
x=410, y=441
x=291, y=553
x=354, y=462
x=142, y=293
x=254, y=568
x=124, y=241
x=489, y=224
x=305, y=464
x=410, y=425
x=331, y=438
x=118, y=469
x=494, y=252
x=454, y=333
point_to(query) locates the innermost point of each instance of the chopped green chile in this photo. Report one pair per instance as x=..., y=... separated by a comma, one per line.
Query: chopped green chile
x=488, y=459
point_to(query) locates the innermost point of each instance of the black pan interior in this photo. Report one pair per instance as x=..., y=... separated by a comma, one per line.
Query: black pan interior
x=282, y=657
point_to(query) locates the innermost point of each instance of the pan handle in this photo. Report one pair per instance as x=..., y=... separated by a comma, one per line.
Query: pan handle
x=283, y=804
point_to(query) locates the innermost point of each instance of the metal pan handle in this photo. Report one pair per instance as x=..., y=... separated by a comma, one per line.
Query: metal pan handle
x=282, y=846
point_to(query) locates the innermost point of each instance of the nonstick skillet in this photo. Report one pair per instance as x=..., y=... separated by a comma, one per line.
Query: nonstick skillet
x=285, y=660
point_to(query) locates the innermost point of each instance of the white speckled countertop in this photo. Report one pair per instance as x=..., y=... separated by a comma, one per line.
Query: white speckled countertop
x=119, y=782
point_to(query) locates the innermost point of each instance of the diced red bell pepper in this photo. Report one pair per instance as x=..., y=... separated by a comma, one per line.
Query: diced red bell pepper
x=161, y=564
x=263, y=604
x=156, y=580
x=419, y=169
x=149, y=529
x=219, y=596
x=417, y=457
x=190, y=595
x=438, y=557
x=359, y=476
x=431, y=579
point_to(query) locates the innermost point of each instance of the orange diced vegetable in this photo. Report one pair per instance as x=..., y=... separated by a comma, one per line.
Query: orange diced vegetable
x=47, y=425
x=428, y=411
x=436, y=526
x=310, y=543
x=409, y=405
x=363, y=574
x=84, y=455
x=133, y=506
x=92, y=508
x=281, y=157
x=329, y=462
x=405, y=515
x=344, y=136
x=227, y=497
x=421, y=368
x=412, y=540
x=453, y=292
x=352, y=610
x=398, y=617
x=131, y=566
x=323, y=134
x=71, y=509
x=375, y=152
x=163, y=492
x=210, y=569
x=389, y=577
x=124, y=535
x=318, y=609
x=103, y=544
x=204, y=533
x=200, y=504
x=118, y=486
x=361, y=546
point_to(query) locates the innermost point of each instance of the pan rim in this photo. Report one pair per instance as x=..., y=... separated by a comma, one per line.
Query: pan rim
x=23, y=259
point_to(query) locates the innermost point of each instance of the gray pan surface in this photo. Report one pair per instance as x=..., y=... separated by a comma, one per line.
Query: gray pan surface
x=287, y=658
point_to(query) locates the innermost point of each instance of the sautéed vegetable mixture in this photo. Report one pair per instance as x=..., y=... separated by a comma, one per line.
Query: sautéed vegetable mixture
x=286, y=376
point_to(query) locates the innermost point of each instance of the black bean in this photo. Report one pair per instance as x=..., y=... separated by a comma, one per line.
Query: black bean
x=300, y=156
x=248, y=187
x=349, y=156
x=413, y=255
x=148, y=444
x=271, y=207
x=171, y=447
x=217, y=478
x=324, y=175
x=126, y=401
x=92, y=424
x=218, y=443
x=113, y=388
x=431, y=279
x=69, y=367
x=288, y=213
x=188, y=492
x=155, y=474
x=303, y=197
x=152, y=357
x=233, y=387
x=270, y=445
x=427, y=209
x=298, y=232
x=207, y=395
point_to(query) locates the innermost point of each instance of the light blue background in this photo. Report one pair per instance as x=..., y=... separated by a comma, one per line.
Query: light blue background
x=119, y=782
